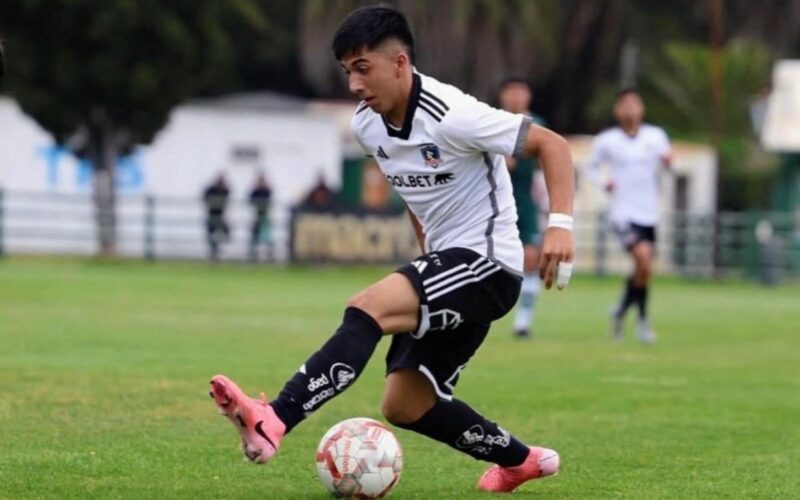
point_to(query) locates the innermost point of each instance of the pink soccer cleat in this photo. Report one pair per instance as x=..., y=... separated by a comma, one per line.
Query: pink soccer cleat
x=541, y=462
x=261, y=429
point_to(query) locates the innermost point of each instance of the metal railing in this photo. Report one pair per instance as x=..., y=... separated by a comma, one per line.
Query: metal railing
x=752, y=244
x=146, y=226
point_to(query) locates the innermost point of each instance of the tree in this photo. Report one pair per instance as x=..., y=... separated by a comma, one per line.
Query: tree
x=103, y=77
x=562, y=47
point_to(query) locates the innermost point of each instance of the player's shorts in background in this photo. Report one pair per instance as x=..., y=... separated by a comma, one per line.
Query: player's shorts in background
x=528, y=223
x=630, y=234
x=460, y=293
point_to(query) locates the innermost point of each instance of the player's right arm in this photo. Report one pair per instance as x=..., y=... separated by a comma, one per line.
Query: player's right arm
x=417, y=230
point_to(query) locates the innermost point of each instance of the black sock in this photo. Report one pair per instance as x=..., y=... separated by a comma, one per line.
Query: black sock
x=642, y=302
x=628, y=298
x=329, y=371
x=457, y=425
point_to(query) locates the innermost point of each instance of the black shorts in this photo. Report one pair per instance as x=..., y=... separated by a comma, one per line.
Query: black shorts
x=630, y=234
x=460, y=294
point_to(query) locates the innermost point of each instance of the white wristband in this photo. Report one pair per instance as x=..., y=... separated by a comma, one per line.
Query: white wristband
x=562, y=221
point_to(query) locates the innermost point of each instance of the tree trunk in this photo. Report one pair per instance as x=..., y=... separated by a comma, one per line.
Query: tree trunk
x=103, y=156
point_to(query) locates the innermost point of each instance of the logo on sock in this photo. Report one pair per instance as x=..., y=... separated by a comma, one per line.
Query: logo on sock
x=317, y=400
x=471, y=437
x=477, y=440
x=503, y=440
x=316, y=383
x=342, y=375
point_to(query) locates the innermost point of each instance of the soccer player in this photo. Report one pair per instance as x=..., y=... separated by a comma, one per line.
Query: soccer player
x=636, y=152
x=443, y=151
x=515, y=96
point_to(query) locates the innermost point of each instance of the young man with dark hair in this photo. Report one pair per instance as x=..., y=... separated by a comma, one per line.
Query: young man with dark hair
x=443, y=151
x=636, y=152
x=515, y=96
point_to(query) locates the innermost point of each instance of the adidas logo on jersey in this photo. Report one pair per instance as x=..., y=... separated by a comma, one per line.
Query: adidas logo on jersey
x=381, y=153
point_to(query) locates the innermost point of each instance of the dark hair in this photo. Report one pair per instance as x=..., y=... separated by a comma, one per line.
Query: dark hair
x=368, y=27
x=514, y=80
x=2, y=60
x=628, y=91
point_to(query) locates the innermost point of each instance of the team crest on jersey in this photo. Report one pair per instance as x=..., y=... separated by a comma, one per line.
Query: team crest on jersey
x=431, y=155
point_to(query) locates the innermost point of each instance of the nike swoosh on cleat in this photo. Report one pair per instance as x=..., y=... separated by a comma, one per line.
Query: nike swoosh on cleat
x=263, y=434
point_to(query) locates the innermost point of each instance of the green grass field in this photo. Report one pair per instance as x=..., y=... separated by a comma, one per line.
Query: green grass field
x=104, y=371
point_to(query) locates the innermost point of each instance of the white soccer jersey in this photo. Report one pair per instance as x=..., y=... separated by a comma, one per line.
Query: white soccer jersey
x=448, y=164
x=635, y=163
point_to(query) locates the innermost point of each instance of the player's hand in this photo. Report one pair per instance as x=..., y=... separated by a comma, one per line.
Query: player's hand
x=558, y=246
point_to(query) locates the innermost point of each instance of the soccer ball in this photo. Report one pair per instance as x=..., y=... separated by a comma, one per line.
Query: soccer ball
x=360, y=458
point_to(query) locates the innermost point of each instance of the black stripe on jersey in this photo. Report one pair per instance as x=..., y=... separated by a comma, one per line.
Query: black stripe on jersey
x=441, y=102
x=432, y=105
x=435, y=115
x=362, y=107
x=493, y=201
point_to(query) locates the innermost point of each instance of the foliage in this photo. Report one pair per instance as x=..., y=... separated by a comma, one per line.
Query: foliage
x=677, y=86
x=132, y=59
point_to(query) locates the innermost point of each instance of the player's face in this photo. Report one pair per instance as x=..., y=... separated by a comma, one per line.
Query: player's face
x=375, y=77
x=516, y=98
x=629, y=109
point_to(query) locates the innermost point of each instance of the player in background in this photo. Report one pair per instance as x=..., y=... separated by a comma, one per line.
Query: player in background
x=444, y=153
x=515, y=96
x=636, y=152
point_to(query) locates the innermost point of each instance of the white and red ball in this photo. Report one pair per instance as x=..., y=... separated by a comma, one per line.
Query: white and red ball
x=360, y=458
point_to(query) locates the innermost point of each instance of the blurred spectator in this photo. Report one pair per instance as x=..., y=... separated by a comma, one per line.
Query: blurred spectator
x=216, y=199
x=321, y=197
x=261, y=231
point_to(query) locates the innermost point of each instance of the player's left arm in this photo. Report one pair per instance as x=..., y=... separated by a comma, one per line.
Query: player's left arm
x=477, y=127
x=558, y=245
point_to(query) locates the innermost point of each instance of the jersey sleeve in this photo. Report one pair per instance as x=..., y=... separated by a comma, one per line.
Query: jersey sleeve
x=478, y=127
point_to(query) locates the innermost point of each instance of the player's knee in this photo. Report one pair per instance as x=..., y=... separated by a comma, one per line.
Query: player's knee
x=399, y=413
x=366, y=301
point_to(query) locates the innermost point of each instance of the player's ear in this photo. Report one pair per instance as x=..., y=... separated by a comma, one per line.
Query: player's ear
x=401, y=63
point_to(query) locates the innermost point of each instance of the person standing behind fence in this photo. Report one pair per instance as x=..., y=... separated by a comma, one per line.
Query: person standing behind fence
x=216, y=200
x=321, y=197
x=635, y=152
x=515, y=96
x=261, y=231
